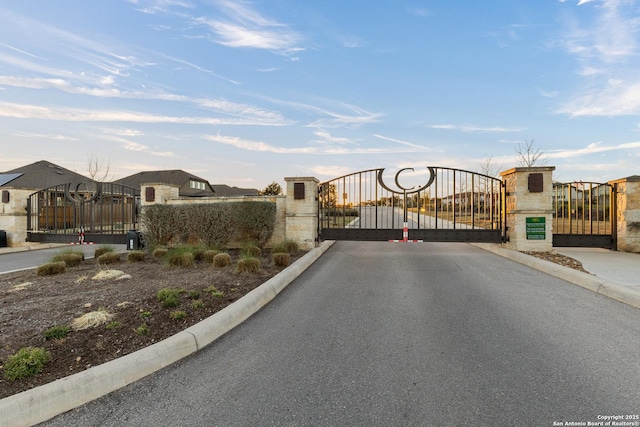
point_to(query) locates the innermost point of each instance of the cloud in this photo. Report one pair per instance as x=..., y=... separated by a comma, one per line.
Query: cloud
x=592, y=148
x=24, y=111
x=330, y=171
x=408, y=144
x=246, y=28
x=249, y=145
x=470, y=128
x=45, y=136
x=327, y=137
x=616, y=99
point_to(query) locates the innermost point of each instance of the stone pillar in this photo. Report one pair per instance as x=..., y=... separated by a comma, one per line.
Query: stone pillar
x=627, y=213
x=13, y=215
x=157, y=193
x=529, y=208
x=302, y=211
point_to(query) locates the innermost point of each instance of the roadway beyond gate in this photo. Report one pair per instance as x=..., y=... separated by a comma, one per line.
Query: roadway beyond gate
x=380, y=334
x=434, y=204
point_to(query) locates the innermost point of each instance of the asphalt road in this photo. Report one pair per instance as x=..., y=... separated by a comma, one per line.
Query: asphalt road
x=383, y=334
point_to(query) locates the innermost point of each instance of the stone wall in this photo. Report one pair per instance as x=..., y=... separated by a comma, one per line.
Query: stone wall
x=628, y=213
x=13, y=216
x=529, y=197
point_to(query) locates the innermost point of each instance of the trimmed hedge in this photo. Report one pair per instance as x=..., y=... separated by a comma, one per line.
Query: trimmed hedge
x=209, y=224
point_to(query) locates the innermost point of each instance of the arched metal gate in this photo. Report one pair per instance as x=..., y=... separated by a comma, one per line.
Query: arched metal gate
x=94, y=211
x=435, y=204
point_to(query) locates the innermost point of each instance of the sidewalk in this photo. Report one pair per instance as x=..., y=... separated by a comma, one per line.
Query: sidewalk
x=619, y=267
x=611, y=273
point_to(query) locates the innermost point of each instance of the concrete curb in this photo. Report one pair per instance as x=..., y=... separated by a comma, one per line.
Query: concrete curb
x=596, y=284
x=42, y=403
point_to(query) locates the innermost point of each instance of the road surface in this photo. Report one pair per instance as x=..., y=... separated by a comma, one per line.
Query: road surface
x=400, y=334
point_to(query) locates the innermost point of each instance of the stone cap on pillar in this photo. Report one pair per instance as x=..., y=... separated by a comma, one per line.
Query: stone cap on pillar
x=528, y=169
x=632, y=178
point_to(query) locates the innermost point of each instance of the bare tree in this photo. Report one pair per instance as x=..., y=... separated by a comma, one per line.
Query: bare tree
x=528, y=155
x=489, y=167
x=98, y=169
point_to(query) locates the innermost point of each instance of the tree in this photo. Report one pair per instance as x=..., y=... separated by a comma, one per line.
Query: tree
x=98, y=170
x=273, y=189
x=528, y=155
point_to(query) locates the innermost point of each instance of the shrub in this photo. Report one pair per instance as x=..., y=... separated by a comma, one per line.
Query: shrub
x=251, y=250
x=102, y=250
x=281, y=259
x=56, y=332
x=91, y=319
x=27, y=362
x=52, y=268
x=160, y=252
x=197, y=252
x=210, y=254
x=159, y=223
x=169, y=297
x=194, y=294
x=221, y=260
x=214, y=292
x=142, y=329
x=177, y=315
x=286, y=247
x=197, y=304
x=70, y=258
x=179, y=257
x=255, y=221
x=136, y=256
x=113, y=325
x=249, y=265
x=109, y=258
x=144, y=314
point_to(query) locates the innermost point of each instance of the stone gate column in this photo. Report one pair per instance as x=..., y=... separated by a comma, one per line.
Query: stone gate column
x=529, y=208
x=302, y=211
x=627, y=213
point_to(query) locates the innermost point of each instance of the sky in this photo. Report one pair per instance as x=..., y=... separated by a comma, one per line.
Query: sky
x=245, y=93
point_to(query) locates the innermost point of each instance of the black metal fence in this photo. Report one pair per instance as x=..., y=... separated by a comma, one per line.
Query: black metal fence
x=584, y=214
x=103, y=212
x=434, y=204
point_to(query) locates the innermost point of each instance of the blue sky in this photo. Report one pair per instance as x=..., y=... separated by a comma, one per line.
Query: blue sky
x=247, y=92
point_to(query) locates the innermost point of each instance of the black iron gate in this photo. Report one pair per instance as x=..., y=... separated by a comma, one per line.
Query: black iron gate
x=443, y=204
x=584, y=215
x=91, y=212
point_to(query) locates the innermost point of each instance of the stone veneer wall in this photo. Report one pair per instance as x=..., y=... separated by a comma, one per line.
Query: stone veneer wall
x=13, y=216
x=628, y=213
x=522, y=203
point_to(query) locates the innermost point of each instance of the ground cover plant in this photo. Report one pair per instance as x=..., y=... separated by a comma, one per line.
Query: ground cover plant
x=67, y=322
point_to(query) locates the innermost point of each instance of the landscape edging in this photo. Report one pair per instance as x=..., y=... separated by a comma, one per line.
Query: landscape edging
x=39, y=404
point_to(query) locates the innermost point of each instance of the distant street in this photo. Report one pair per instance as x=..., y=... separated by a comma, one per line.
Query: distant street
x=400, y=334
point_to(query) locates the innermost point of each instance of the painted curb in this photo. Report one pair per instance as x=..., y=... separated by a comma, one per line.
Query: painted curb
x=42, y=403
x=613, y=290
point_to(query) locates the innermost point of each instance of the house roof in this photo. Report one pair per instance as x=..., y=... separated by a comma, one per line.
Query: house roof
x=226, y=191
x=175, y=177
x=39, y=175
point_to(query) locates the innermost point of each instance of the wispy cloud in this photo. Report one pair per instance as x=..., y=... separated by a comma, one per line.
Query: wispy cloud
x=24, y=111
x=479, y=129
x=408, y=144
x=249, y=145
x=593, y=148
x=245, y=27
x=129, y=145
x=45, y=136
x=606, y=52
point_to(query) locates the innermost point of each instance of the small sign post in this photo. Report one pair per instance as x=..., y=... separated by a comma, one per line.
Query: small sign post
x=536, y=228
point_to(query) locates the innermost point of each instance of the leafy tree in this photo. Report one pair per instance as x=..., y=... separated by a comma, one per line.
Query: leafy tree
x=273, y=189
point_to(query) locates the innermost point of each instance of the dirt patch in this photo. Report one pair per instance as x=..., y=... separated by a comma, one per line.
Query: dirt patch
x=30, y=305
x=563, y=260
